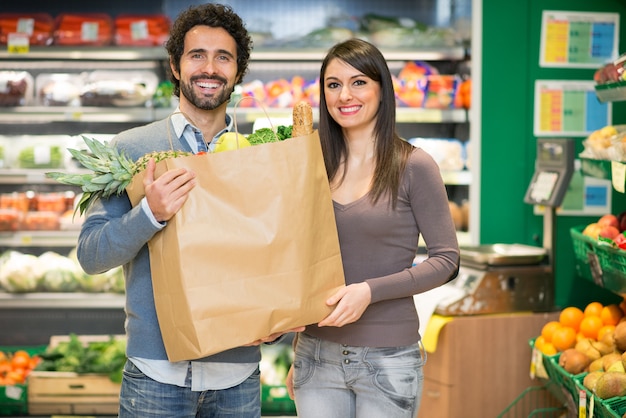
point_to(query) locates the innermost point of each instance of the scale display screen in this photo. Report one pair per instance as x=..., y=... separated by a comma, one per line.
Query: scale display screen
x=554, y=167
x=551, y=153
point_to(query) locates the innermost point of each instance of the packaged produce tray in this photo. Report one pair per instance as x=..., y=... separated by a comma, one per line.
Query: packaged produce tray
x=601, y=264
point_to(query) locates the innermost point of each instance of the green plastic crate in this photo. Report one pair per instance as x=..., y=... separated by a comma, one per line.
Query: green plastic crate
x=602, y=408
x=601, y=264
x=14, y=398
x=610, y=408
x=564, y=380
x=275, y=400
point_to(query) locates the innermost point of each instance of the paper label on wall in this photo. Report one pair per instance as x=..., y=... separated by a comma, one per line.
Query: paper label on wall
x=578, y=39
x=568, y=108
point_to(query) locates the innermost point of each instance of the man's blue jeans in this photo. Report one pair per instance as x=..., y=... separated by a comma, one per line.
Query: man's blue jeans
x=142, y=397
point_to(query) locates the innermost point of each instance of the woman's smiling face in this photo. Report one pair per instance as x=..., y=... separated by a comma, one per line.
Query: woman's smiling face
x=352, y=97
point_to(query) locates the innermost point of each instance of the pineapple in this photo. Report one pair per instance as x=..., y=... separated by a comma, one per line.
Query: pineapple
x=111, y=173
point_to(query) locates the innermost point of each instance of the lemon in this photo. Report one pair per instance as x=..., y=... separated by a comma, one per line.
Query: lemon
x=230, y=141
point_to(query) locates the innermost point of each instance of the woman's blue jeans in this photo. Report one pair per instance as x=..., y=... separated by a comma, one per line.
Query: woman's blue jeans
x=142, y=397
x=339, y=381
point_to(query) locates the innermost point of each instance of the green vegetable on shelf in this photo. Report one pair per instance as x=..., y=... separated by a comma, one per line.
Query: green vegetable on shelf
x=103, y=357
x=41, y=157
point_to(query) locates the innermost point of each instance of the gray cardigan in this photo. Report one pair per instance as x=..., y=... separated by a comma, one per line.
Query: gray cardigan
x=114, y=233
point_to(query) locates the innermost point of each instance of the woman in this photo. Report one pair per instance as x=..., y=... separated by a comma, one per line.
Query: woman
x=366, y=359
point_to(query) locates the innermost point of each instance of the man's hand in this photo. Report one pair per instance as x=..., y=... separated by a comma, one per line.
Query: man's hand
x=167, y=194
x=273, y=337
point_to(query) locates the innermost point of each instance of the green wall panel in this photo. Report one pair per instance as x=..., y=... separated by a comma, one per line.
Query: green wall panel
x=511, y=34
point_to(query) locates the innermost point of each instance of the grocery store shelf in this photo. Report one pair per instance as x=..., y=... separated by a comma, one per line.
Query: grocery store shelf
x=403, y=114
x=317, y=54
x=47, y=114
x=117, y=53
x=39, y=239
x=108, y=53
x=61, y=300
x=32, y=175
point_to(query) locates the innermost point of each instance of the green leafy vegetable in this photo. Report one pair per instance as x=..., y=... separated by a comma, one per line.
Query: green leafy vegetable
x=104, y=357
x=264, y=135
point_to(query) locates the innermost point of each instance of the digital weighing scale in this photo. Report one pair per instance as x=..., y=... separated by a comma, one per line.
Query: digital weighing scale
x=502, y=278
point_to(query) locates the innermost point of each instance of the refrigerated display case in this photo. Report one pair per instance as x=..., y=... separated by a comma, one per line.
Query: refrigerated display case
x=48, y=114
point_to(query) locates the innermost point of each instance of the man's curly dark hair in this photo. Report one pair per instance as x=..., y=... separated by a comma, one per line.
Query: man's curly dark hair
x=215, y=16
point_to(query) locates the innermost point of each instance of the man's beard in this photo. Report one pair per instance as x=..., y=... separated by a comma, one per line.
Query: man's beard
x=206, y=103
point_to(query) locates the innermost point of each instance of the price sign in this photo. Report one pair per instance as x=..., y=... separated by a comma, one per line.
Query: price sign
x=18, y=43
x=578, y=39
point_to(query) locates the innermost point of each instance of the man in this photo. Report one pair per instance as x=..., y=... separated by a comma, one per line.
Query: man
x=209, y=49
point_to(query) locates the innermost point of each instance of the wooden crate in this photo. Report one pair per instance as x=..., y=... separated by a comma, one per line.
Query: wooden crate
x=71, y=393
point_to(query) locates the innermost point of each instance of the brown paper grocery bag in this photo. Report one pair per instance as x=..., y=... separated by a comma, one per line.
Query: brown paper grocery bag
x=253, y=251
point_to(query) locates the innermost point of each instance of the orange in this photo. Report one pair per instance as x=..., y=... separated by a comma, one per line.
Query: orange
x=548, y=329
x=571, y=317
x=590, y=326
x=593, y=309
x=20, y=359
x=539, y=342
x=564, y=338
x=611, y=314
x=606, y=329
x=548, y=349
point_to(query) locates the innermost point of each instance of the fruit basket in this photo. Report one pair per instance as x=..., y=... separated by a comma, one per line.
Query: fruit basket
x=611, y=92
x=601, y=264
x=609, y=408
x=565, y=381
x=602, y=408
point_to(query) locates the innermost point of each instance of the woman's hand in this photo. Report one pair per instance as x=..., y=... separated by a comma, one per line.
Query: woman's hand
x=167, y=194
x=289, y=383
x=351, y=302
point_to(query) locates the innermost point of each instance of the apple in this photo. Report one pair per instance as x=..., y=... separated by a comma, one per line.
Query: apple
x=609, y=231
x=608, y=220
x=592, y=230
x=620, y=241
